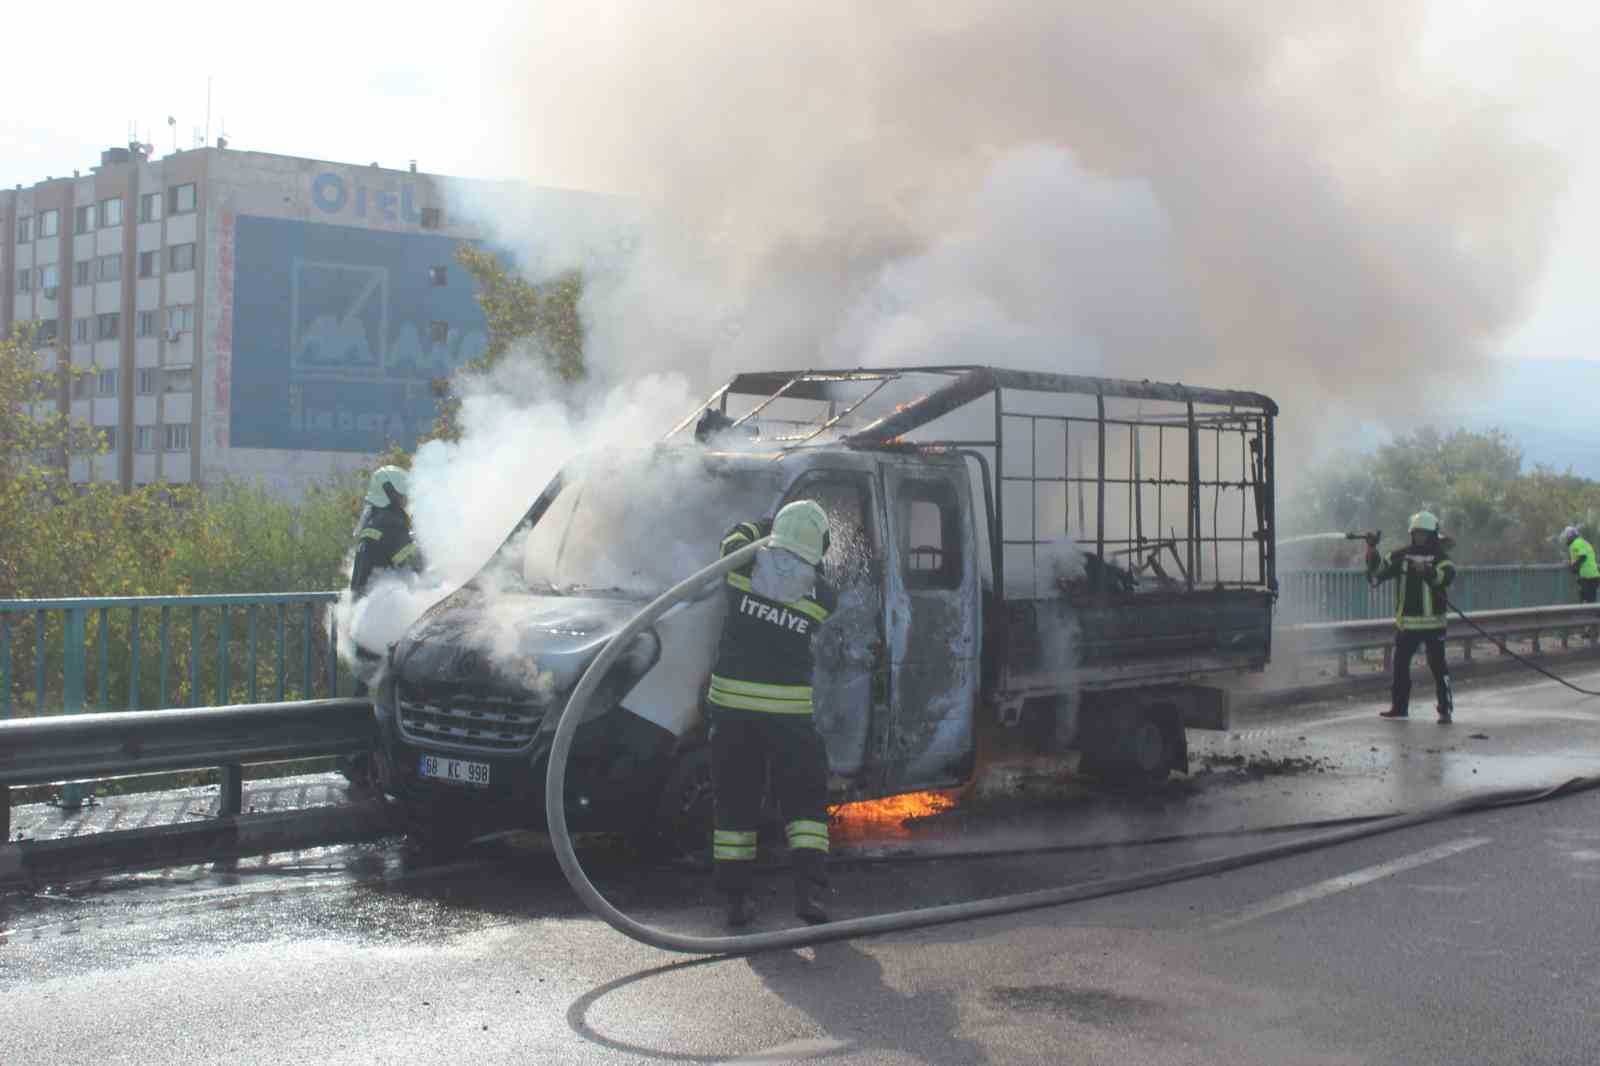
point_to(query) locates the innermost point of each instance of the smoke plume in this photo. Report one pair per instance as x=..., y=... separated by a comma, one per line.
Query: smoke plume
x=1283, y=197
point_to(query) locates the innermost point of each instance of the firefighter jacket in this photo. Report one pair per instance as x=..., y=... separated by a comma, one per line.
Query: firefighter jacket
x=764, y=660
x=1581, y=554
x=1422, y=574
x=383, y=540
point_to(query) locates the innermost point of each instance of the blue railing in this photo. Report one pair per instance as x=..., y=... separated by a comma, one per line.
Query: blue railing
x=1346, y=595
x=130, y=653
x=136, y=652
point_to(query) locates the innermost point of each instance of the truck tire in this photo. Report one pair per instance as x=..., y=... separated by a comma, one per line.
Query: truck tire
x=1137, y=749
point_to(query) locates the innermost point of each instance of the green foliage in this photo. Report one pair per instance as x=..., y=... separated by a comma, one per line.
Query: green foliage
x=59, y=539
x=1473, y=481
x=542, y=319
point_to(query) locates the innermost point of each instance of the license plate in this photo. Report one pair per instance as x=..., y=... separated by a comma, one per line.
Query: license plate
x=458, y=770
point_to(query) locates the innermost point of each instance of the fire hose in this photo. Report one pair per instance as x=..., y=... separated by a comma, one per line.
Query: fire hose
x=923, y=917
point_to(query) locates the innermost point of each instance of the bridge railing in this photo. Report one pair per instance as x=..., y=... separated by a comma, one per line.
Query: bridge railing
x=130, y=653
x=1307, y=596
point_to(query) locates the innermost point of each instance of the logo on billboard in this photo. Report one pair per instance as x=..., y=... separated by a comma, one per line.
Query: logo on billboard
x=393, y=201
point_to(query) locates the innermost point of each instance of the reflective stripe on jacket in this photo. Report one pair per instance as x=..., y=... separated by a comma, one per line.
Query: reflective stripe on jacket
x=764, y=659
x=1419, y=601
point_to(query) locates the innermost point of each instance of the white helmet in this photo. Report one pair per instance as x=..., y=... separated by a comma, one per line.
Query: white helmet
x=1425, y=521
x=387, y=477
x=1569, y=534
x=802, y=527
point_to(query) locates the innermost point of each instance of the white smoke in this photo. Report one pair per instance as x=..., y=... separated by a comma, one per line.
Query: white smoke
x=1285, y=197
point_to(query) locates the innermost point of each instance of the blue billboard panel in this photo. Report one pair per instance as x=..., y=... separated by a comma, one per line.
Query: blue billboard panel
x=339, y=332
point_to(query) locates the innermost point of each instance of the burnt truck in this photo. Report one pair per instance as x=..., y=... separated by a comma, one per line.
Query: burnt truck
x=1027, y=565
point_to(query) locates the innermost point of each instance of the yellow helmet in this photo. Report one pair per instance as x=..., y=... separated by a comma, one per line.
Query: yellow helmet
x=802, y=527
x=387, y=477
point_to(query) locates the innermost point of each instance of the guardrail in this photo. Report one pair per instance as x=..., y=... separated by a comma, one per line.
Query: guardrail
x=1345, y=595
x=103, y=647
x=1345, y=639
x=44, y=750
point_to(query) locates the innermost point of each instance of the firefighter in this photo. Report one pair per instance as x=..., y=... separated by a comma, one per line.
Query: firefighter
x=1423, y=571
x=759, y=706
x=1581, y=561
x=383, y=535
x=383, y=543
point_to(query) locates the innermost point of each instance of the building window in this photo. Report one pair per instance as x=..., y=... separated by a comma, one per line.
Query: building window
x=108, y=436
x=25, y=229
x=80, y=330
x=147, y=264
x=146, y=326
x=49, y=224
x=145, y=380
x=83, y=218
x=438, y=332
x=150, y=207
x=24, y=280
x=144, y=438
x=438, y=276
x=431, y=218
x=181, y=198
x=82, y=271
x=180, y=318
x=105, y=383
x=109, y=267
x=45, y=332
x=108, y=327
x=111, y=212
x=80, y=386
x=182, y=258
x=180, y=379
x=50, y=280
x=177, y=436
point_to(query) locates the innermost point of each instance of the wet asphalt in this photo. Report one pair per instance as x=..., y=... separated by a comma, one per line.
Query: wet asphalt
x=1469, y=940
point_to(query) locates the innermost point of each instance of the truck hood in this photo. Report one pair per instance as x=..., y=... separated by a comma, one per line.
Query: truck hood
x=527, y=646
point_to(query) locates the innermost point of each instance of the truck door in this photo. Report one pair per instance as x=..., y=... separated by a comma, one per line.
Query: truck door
x=933, y=624
x=850, y=686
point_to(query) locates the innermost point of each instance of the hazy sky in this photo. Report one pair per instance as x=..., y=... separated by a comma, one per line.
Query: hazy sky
x=390, y=84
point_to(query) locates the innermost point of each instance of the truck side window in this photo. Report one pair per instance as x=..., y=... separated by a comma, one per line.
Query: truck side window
x=847, y=501
x=930, y=532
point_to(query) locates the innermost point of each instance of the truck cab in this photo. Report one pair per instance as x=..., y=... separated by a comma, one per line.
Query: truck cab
x=951, y=637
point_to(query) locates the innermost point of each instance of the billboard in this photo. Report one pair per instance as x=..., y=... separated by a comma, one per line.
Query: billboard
x=339, y=332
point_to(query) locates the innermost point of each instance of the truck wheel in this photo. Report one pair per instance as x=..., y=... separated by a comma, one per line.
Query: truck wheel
x=1137, y=750
x=686, y=812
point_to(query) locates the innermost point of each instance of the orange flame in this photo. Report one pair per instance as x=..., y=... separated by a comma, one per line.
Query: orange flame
x=890, y=814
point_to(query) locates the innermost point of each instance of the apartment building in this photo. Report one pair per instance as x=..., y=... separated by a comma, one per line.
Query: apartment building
x=240, y=314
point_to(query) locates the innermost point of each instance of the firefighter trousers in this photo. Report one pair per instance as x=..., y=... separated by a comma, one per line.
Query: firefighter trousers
x=1406, y=643
x=747, y=749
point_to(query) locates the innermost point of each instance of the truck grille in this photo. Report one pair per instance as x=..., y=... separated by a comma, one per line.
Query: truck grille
x=470, y=720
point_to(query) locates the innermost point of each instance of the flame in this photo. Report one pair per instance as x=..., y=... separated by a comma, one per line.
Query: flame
x=889, y=815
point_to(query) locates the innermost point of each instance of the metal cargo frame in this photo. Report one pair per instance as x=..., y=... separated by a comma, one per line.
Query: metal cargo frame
x=1190, y=414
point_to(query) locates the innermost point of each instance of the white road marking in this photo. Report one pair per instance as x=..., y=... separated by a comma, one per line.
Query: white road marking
x=1345, y=882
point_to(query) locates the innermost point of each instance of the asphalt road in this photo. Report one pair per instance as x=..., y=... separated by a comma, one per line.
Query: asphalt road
x=1465, y=941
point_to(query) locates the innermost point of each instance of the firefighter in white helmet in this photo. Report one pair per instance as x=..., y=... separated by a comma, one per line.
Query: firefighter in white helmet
x=759, y=706
x=1423, y=571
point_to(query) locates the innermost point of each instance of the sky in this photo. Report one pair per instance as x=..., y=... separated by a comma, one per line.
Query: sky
x=389, y=85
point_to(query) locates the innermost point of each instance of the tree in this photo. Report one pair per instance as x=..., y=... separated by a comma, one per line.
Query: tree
x=1472, y=480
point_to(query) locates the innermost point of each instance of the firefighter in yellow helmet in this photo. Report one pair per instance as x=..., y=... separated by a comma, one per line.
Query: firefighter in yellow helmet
x=1581, y=561
x=759, y=706
x=1423, y=572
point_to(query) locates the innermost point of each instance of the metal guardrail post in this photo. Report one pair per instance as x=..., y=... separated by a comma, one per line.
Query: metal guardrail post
x=74, y=630
x=231, y=800
x=5, y=813
x=133, y=659
x=1344, y=664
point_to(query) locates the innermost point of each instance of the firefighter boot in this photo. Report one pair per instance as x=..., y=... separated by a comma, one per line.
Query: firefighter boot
x=810, y=885
x=741, y=910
